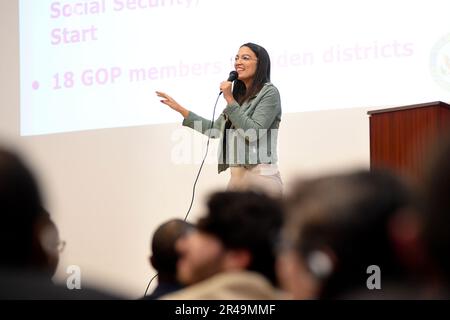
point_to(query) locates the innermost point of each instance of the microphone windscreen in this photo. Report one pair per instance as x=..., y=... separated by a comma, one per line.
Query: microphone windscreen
x=233, y=76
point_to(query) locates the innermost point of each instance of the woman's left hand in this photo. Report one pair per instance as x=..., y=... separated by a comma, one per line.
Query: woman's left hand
x=225, y=88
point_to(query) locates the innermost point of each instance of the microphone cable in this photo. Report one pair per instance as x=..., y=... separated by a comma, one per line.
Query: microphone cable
x=196, y=179
x=204, y=158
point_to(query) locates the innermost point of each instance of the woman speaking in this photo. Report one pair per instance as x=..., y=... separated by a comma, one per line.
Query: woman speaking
x=248, y=126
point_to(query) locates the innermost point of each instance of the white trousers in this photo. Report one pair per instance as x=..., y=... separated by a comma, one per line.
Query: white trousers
x=262, y=178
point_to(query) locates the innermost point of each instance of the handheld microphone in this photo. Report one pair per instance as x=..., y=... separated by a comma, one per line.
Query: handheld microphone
x=231, y=77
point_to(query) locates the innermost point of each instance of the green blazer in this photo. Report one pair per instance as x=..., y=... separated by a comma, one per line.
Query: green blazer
x=248, y=133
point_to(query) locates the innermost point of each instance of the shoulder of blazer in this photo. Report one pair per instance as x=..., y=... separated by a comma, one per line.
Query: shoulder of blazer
x=267, y=88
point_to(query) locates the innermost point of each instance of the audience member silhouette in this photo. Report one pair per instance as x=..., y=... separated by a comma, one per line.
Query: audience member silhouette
x=29, y=240
x=437, y=218
x=351, y=236
x=230, y=255
x=165, y=257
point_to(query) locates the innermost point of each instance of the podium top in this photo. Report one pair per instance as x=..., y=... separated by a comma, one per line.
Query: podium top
x=414, y=106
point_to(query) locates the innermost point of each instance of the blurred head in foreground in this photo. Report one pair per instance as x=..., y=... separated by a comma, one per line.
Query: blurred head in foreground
x=236, y=234
x=437, y=216
x=29, y=239
x=164, y=255
x=341, y=230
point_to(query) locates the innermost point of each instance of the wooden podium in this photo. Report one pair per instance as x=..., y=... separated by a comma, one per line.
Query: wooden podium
x=401, y=138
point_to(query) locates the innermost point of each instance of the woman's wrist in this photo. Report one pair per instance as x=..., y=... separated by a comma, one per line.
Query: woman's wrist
x=184, y=112
x=230, y=99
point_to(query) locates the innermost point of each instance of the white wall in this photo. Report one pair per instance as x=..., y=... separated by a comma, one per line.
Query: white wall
x=109, y=189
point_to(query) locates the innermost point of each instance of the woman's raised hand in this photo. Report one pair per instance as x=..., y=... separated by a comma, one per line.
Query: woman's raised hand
x=169, y=101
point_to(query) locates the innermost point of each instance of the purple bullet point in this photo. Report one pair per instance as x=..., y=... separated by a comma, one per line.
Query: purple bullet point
x=35, y=85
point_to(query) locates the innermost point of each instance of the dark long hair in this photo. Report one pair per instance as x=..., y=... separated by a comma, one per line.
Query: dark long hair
x=262, y=75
